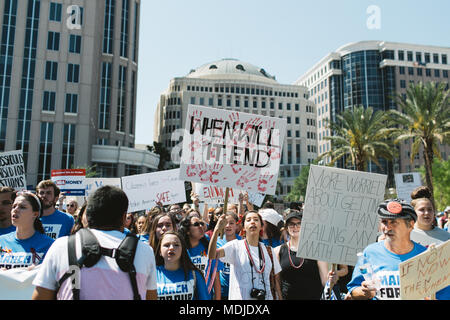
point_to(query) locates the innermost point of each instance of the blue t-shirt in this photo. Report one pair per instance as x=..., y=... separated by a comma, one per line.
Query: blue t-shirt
x=172, y=285
x=385, y=265
x=58, y=224
x=11, y=228
x=225, y=272
x=18, y=253
x=275, y=242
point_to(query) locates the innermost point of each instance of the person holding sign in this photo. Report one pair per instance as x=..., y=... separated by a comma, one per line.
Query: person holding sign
x=384, y=257
x=251, y=265
x=56, y=223
x=425, y=232
x=177, y=277
x=301, y=279
x=28, y=245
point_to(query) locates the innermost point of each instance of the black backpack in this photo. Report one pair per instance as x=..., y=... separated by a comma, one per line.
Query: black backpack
x=92, y=252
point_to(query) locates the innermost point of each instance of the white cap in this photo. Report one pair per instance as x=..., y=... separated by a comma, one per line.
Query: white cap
x=447, y=209
x=271, y=216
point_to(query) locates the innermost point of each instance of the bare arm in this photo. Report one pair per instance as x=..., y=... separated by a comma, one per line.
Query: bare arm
x=40, y=293
x=213, y=252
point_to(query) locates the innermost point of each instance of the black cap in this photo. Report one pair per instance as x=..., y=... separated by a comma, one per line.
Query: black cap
x=396, y=209
x=294, y=214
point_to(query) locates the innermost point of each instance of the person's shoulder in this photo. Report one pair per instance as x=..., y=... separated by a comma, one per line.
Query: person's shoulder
x=442, y=233
x=64, y=215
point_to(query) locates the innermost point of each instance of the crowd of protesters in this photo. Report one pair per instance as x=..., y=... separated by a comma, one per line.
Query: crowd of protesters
x=194, y=251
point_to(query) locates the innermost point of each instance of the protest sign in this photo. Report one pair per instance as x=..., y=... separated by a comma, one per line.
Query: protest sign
x=17, y=283
x=426, y=273
x=70, y=181
x=339, y=215
x=145, y=190
x=405, y=183
x=256, y=198
x=93, y=184
x=12, y=170
x=232, y=149
x=214, y=194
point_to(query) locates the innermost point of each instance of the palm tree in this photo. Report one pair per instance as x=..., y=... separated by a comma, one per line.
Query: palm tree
x=359, y=136
x=424, y=117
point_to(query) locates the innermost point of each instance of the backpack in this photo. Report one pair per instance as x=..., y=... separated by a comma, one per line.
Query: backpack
x=92, y=252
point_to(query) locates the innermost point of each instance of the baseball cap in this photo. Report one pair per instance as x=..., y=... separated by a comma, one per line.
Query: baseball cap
x=271, y=216
x=447, y=209
x=396, y=209
x=293, y=214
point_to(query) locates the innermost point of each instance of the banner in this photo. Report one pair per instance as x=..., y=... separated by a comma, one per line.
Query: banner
x=214, y=194
x=426, y=273
x=340, y=214
x=232, y=149
x=405, y=183
x=12, y=170
x=144, y=190
x=70, y=181
x=93, y=184
x=17, y=284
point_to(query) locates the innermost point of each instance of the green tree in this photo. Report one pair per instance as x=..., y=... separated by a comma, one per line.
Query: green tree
x=359, y=136
x=164, y=154
x=299, y=187
x=423, y=117
x=441, y=183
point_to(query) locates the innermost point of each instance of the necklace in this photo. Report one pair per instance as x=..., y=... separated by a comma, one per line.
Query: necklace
x=263, y=266
x=290, y=259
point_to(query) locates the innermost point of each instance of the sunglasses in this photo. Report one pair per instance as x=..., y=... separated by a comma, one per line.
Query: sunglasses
x=71, y=205
x=198, y=224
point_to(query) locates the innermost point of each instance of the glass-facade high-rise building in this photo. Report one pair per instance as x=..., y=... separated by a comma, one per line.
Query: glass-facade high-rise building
x=68, y=85
x=373, y=73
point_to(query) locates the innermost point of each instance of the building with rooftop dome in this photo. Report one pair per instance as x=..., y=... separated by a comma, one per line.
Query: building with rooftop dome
x=235, y=85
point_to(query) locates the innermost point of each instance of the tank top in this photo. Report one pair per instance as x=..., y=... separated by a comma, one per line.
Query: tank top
x=299, y=284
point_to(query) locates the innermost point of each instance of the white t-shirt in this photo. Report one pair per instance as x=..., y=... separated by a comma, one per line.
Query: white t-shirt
x=241, y=271
x=103, y=281
x=427, y=237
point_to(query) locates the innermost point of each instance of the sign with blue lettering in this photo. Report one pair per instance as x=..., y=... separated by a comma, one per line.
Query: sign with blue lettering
x=70, y=181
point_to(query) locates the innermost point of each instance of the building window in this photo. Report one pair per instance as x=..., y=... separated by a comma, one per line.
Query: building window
x=105, y=96
x=419, y=56
x=121, y=99
x=68, y=152
x=401, y=55
x=124, y=29
x=427, y=57
x=71, y=103
x=73, y=73
x=51, y=70
x=428, y=72
x=445, y=73
x=435, y=58
x=55, y=11
x=411, y=71
x=45, y=151
x=437, y=73
x=74, y=43
x=53, y=41
x=410, y=55
x=444, y=59
x=108, y=28
x=419, y=72
x=49, y=101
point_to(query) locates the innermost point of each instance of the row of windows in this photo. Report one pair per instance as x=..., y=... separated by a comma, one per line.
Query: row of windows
x=411, y=82
x=244, y=90
x=419, y=72
x=53, y=41
x=51, y=71
x=49, y=102
x=420, y=57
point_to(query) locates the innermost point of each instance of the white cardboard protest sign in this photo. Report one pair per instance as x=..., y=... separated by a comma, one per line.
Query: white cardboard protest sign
x=214, y=194
x=12, y=170
x=339, y=216
x=144, y=190
x=70, y=181
x=17, y=284
x=405, y=183
x=93, y=184
x=426, y=273
x=256, y=198
x=232, y=149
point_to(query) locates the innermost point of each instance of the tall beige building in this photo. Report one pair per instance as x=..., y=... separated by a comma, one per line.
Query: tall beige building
x=68, y=78
x=235, y=85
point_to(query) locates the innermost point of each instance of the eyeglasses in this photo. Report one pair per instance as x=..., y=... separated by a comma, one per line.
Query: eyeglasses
x=292, y=225
x=71, y=205
x=198, y=224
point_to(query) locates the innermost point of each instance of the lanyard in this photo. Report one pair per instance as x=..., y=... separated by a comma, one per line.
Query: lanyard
x=262, y=262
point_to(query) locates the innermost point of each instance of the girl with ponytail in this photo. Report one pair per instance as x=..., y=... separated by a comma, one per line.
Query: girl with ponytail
x=28, y=245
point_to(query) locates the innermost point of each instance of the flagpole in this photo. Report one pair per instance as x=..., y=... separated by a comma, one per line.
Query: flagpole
x=225, y=205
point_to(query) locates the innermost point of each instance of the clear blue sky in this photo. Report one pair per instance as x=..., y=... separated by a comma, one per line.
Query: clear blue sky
x=285, y=37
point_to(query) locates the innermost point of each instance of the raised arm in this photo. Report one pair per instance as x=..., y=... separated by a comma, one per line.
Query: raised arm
x=213, y=252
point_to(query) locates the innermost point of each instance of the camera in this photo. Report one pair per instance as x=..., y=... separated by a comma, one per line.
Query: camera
x=258, y=294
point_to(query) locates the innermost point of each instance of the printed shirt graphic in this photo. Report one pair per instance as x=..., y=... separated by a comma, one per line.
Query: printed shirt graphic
x=173, y=286
x=199, y=257
x=58, y=224
x=17, y=253
x=386, y=267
